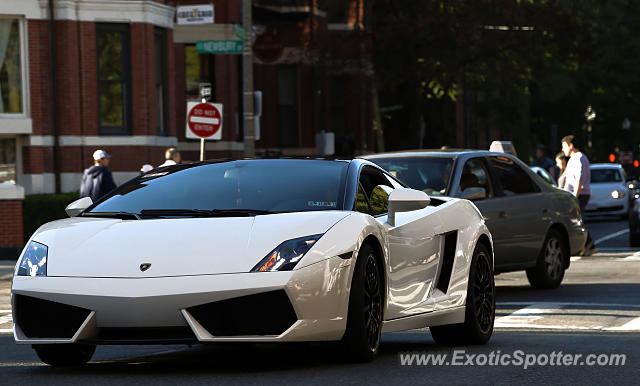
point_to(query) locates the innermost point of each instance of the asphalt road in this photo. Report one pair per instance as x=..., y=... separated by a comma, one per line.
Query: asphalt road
x=595, y=311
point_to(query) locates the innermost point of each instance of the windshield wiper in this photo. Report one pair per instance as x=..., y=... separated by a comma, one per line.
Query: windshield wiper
x=120, y=215
x=248, y=212
x=204, y=212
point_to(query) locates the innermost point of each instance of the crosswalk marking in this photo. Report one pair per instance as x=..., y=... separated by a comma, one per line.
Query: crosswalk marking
x=6, y=319
x=546, y=315
x=524, y=317
x=633, y=325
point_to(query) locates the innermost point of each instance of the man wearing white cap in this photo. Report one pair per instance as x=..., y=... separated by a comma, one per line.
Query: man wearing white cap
x=97, y=180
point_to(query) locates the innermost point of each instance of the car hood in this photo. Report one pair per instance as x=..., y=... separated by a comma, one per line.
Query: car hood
x=103, y=247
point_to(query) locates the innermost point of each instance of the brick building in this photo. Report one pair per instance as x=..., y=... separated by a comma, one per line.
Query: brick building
x=116, y=75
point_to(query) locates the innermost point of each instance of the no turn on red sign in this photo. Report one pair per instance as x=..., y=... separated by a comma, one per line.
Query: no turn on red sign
x=204, y=120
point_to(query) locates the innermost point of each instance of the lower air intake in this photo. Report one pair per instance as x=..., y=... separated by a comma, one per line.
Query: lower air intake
x=39, y=318
x=267, y=313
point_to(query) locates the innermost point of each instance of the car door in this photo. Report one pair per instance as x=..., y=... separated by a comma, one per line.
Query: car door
x=475, y=175
x=414, y=247
x=519, y=230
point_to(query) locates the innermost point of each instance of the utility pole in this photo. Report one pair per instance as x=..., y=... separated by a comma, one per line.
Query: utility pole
x=247, y=80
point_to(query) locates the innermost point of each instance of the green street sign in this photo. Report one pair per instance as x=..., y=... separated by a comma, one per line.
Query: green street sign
x=219, y=47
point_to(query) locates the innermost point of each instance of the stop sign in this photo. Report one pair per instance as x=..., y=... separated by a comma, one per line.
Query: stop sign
x=204, y=120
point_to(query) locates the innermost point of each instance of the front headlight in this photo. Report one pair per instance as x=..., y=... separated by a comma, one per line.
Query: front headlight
x=617, y=193
x=286, y=255
x=34, y=261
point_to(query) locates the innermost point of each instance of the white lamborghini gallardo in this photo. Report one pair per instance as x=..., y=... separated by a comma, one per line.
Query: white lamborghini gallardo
x=271, y=250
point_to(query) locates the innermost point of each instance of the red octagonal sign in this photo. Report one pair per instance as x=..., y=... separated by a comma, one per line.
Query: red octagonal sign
x=204, y=120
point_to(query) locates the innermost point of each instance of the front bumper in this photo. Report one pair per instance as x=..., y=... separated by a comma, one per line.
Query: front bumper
x=607, y=207
x=318, y=295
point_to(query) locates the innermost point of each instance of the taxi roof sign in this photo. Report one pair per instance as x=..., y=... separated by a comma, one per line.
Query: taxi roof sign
x=503, y=147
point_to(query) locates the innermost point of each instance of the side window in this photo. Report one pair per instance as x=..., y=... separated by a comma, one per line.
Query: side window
x=362, y=203
x=380, y=200
x=513, y=179
x=475, y=176
x=376, y=186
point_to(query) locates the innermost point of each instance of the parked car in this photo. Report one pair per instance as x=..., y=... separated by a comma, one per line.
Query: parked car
x=609, y=191
x=535, y=226
x=273, y=250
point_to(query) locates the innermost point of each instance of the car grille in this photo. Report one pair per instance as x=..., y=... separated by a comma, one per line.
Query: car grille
x=144, y=335
x=39, y=318
x=267, y=313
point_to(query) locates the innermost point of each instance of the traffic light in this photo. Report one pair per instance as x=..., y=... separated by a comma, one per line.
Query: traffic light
x=636, y=163
x=612, y=157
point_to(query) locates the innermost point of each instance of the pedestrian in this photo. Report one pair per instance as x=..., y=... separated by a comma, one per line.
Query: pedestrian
x=544, y=162
x=172, y=157
x=97, y=180
x=561, y=164
x=578, y=181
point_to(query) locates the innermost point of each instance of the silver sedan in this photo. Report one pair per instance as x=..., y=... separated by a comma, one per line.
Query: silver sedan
x=535, y=226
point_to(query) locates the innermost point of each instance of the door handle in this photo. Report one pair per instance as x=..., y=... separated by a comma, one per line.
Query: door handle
x=502, y=214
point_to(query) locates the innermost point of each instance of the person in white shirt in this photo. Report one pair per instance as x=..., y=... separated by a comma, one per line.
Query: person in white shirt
x=172, y=157
x=577, y=180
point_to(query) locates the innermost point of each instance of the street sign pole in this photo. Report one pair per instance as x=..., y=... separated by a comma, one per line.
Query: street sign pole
x=247, y=80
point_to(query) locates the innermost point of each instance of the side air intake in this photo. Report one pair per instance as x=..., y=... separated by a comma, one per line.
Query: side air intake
x=448, y=256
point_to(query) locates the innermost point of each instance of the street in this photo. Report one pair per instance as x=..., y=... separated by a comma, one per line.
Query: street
x=595, y=311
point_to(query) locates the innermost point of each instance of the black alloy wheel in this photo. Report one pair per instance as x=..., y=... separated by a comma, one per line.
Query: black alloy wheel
x=361, y=339
x=480, y=308
x=372, y=302
x=483, y=294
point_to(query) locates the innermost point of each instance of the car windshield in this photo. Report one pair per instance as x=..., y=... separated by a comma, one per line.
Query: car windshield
x=429, y=174
x=254, y=186
x=605, y=175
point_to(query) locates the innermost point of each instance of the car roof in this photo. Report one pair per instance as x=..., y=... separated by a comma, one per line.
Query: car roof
x=446, y=153
x=606, y=166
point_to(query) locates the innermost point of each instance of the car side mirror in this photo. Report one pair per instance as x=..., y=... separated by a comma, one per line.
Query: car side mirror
x=76, y=207
x=405, y=200
x=475, y=193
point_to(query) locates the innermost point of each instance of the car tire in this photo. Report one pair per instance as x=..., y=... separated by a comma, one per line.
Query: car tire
x=64, y=355
x=480, y=307
x=549, y=270
x=364, y=318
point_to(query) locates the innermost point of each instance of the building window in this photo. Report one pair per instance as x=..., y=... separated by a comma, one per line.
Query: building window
x=114, y=78
x=288, y=125
x=199, y=68
x=11, y=94
x=8, y=160
x=337, y=11
x=161, y=80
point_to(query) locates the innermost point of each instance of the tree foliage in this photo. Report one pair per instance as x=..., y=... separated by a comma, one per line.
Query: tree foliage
x=518, y=67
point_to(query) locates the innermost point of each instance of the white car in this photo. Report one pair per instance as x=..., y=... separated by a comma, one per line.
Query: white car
x=609, y=191
x=544, y=174
x=277, y=250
